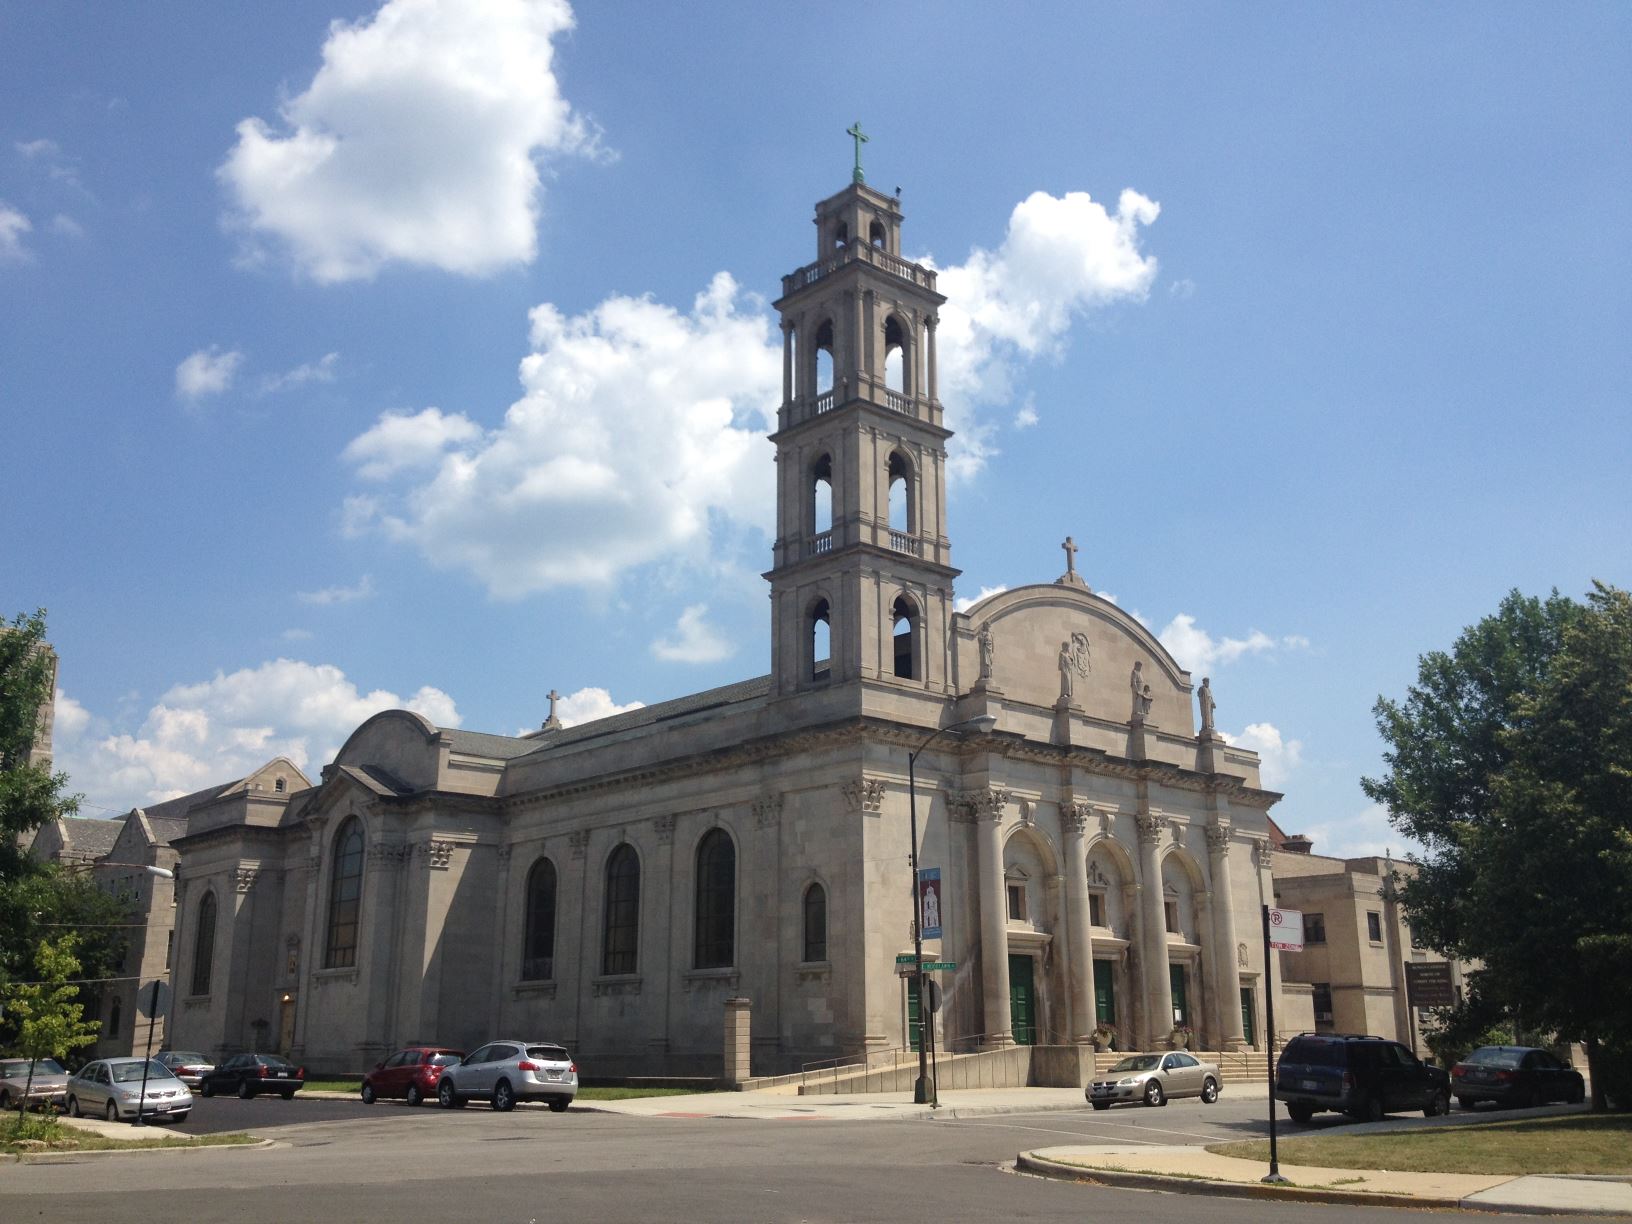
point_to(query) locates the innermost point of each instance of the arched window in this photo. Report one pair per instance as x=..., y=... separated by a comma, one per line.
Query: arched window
x=824, y=357
x=821, y=641
x=895, y=355
x=821, y=493
x=815, y=923
x=902, y=517
x=841, y=235
x=876, y=233
x=538, y=955
x=905, y=614
x=113, y=1020
x=204, y=945
x=622, y=911
x=715, y=941
x=345, y=897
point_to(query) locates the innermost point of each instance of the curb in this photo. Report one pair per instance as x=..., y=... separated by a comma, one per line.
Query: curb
x=74, y=1157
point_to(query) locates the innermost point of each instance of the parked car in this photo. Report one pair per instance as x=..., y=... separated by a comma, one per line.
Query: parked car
x=411, y=1074
x=508, y=1071
x=189, y=1065
x=1154, y=1079
x=48, y=1088
x=252, y=1074
x=1365, y=1077
x=112, y=1087
x=1515, y=1075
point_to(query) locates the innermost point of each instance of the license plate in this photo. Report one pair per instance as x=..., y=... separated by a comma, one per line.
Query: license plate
x=1310, y=1084
x=554, y=1075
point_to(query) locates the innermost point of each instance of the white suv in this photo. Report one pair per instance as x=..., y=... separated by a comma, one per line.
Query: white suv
x=508, y=1071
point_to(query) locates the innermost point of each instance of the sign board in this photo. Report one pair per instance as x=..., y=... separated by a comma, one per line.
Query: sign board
x=1286, y=930
x=1428, y=984
x=929, y=901
x=932, y=994
x=153, y=999
x=906, y=958
x=940, y=966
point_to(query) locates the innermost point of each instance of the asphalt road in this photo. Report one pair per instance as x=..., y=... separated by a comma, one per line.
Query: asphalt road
x=342, y=1161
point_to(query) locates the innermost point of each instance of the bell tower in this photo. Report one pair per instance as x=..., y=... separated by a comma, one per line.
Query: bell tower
x=861, y=581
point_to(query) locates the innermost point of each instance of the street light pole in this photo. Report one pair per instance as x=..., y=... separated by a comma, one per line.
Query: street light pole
x=923, y=1089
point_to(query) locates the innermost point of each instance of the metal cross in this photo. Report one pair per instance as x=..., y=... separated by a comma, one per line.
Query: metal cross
x=854, y=130
x=1070, y=555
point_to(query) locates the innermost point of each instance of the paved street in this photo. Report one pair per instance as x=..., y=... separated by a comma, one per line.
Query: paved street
x=342, y=1161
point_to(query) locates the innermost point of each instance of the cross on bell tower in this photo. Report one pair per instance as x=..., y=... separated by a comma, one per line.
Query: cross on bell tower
x=861, y=581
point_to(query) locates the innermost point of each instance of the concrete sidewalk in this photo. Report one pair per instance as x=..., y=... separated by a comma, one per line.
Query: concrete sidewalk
x=1194, y=1170
x=774, y=1105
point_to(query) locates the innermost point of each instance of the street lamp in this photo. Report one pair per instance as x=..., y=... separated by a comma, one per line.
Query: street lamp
x=923, y=1090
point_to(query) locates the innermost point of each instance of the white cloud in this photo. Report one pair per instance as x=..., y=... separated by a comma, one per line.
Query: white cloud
x=1364, y=834
x=339, y=594
x=65, y=225
x=1198, y=651
x=13, y=225
x=207, y=372
x=639, y=438
x=37, y=148
x=399, y=441
x=1278, y=757
x=70, y=718
x=1026, y=417
x=418, y=140
x=1182, y=289
x=297, y=635
x=588, y=704
x=1061, y=256
x=221, y=729
x=694, y=640
x=963, y=603
x=319, y=371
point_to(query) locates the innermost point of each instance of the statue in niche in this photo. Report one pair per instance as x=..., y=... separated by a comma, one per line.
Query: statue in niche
x=1068, y=667
x=1204, y=698
x=1141, y=692
x=988, y=650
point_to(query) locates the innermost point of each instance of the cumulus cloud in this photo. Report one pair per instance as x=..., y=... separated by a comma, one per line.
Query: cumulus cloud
x=588, y=704
x=207, y=372
x=1026, y=417
x=1061, y=257
x=963, y=602
x=1278, y=756
x=319, y=371
x=694, y=640
x=1198, y=651
x=70, y=718
x=1363, y=834
x=640, y=429
x=222, y=728
x=364, y=589
x=418, y=141
x=13, y=225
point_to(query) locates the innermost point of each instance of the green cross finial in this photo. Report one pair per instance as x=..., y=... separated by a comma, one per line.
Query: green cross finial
x=854, y=130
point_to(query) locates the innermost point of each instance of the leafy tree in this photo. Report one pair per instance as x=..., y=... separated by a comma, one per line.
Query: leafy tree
x=48, y=1011
x=1511, y=762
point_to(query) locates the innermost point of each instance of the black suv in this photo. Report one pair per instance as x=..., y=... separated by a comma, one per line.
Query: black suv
x=1365, y=1077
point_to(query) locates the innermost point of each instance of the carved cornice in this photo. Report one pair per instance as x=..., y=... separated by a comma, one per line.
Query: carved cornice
x=768, y=809
x=865, y=795
x=390, y=855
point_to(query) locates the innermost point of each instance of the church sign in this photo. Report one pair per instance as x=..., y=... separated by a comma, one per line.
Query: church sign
x=929, y=901
x=1428, y=984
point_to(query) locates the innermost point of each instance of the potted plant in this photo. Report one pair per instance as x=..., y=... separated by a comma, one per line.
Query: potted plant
x=1104, y=1037
x=1180, y=1037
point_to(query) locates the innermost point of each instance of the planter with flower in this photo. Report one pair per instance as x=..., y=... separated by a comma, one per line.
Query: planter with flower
x=1104, y=1037
x=1181, y=1037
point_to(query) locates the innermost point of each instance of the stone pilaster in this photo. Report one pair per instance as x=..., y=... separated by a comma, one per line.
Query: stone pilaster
x=1225, y=970
x=1153, y=933
x=1081, y=970
x=994, y=934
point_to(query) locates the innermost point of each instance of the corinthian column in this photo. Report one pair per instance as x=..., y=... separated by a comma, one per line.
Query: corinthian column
x=1158, y=989
x=994, y=932
x=1081, y=969
x=1226, y=972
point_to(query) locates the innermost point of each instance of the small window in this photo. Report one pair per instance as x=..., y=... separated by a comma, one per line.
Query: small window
x=815, y=923
x=1322, y=998
x=1017, y=902
x=1096, y=909
x=1314, y=928
x=1171, y=910
x=1374, y=927
x=280, y=786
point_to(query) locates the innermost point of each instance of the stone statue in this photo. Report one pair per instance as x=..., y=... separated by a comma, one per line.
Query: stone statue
x=1141, y=691
x=987, y=651
x=1067, y=667
x=1204, y=698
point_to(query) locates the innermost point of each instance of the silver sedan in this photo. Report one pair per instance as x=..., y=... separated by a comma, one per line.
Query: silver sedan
x=112, y=1087
x=1154, y=1078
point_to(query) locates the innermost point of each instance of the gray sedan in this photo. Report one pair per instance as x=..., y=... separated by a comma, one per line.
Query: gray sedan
x=112, y=1087
x=1153, y=1078
x=48, y=1084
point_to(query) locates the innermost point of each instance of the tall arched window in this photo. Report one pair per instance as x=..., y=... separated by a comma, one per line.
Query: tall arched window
x=815, y=923
x=538, y=956
x=716, y=901
x=345, y=897
x=622, y=911
x=903, y=515
x=821, y=641
x=824, y=357
x=204, y=945
x=821, y=495
x=895, y=355
x=905, y=616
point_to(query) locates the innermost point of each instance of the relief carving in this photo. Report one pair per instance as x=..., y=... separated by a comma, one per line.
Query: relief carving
x=439, y=855
x=985, y=804
x=245, y=878
x=865, y=795
x=1150, y=827
x=1218, y=838
x=768, y=810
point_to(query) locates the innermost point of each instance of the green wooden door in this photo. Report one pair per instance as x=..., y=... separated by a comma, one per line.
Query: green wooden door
x=1104, y=993
x=1181, y=1004
x=1246, y=1015
x=1022, y=1001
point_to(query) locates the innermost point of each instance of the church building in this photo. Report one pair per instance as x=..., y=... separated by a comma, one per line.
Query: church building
x=1094, y=852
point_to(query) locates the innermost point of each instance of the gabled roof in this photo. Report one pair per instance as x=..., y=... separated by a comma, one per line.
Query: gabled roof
x=85, y=835
x=694, y=703
x=167, y=828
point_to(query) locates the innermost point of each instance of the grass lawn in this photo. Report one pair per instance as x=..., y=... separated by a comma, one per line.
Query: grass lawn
x=49, y=1135
x=1576, y=1143
x=584, y=1094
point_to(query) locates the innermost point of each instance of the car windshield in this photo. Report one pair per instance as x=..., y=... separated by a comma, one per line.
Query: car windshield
x=124, y=1073
x=272, y=1060
x=1140, y=1062
x=19, y=1070
x=185, y=1056
x=1494, y=1056
x=552, y=1053
x=1315, y=1052
x=443, y=1060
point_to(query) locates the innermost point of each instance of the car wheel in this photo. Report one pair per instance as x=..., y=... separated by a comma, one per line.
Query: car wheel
x=113, y=1111
x=180, y=1117
x=244, y=1090
x=1209, y=1091
x=1154, y=1094
x=287, y=1094
x=415, y=1096
x=1371, y=1109
x=206, y=1088
x=558, y=1104
x=1100, y=1106
x=368, y=1093
x=446, y=1096
x=1578, y=1092
x=504, y=1096
x=1300, y=1113
x=1439, y=1102
x=73, y=1107
x=5, y=1101
x=1524, y=1100
x=1465, y=1102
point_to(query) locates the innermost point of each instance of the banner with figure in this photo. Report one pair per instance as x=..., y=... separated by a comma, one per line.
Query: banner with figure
x=929, y=901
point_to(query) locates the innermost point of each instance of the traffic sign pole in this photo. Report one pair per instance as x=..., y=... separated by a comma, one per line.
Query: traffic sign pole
x=1269, y=1025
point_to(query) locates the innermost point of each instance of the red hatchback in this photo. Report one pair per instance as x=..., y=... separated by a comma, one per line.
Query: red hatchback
x=410, y=1074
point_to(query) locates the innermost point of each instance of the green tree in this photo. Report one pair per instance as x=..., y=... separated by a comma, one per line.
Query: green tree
x=48, y=1011
x=1511, y=762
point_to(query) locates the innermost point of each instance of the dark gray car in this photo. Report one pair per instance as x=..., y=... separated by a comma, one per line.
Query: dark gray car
x=504, y=1072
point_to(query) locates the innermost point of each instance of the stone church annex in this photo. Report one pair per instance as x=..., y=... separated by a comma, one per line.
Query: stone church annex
x=1103, y=853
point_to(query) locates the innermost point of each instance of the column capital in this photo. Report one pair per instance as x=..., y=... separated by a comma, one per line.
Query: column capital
x=984, y=804
x=1218, y=837
x=1150, y=827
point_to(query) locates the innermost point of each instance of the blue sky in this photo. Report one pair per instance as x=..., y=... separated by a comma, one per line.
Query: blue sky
x=360, y=356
